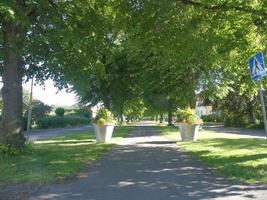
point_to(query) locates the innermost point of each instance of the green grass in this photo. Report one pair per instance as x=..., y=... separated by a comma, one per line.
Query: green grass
x=56, y=158
x=234, y=156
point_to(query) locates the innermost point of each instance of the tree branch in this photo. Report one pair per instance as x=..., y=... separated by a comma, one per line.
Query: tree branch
x=226, y=7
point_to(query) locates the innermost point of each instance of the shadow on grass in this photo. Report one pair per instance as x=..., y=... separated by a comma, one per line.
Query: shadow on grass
x=232, y=144
x=49, y=162
x=55, y=158
x=243, y=158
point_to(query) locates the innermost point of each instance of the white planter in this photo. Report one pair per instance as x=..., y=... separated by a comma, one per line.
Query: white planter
x=103, y=132
x=188, y=132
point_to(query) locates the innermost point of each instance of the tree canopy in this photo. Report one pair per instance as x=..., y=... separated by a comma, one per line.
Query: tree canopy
x=132, y=55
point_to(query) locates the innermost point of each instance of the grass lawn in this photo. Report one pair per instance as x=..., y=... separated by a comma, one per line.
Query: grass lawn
x=234, y=156
x=55, y=158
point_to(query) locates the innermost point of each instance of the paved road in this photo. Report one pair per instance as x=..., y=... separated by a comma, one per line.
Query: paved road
x=147, y=166
x=46, y=133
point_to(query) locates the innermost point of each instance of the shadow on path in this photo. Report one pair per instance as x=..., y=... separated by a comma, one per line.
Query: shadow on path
x=147, y=166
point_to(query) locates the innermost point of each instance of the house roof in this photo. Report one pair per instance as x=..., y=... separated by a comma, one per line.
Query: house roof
x=204, y=102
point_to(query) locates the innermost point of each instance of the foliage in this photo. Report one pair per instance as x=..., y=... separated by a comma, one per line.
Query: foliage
x=235, y=120
x=8, y=150
x=40, y=109
x=59, y=122
x=188, y=115
x=60, y=111
x=83, y=112
x=212, y=118
x=103, y=117
x=52, y=37
x=154, y=52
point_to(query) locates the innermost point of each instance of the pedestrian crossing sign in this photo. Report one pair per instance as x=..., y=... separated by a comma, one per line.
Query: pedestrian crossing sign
x=257, y=66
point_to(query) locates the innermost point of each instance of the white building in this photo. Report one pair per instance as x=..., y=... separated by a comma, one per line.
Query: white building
x=203, y=107
x=95, y=109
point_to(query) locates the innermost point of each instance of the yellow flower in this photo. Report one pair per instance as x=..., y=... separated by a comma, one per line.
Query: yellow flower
x=101, y=121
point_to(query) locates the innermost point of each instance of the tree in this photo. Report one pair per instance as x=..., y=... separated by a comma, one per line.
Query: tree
x=202, y=43
x=180, y=49
x=40, y=109
x=60, y=111
x=12, y=36
x=41, y=38
x=75, y=42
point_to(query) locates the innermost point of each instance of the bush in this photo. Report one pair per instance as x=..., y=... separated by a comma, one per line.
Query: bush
x=235, y=121
x=40, y=110
x=188, y=116
x=103, y=117
x=258, y=125
x=8, y=150
x=212, y=118
x=59, y=122
x=60, y=111
x=83, y=112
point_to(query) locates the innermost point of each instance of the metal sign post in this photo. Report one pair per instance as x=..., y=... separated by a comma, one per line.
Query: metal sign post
x=262, y=107
x=258, y=71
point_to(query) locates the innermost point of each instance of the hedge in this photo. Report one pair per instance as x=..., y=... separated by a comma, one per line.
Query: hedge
x=59, y=122
x=212, y=118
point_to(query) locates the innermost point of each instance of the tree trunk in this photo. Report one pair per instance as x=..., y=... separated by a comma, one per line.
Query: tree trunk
x=121, y=117
x=121, y=112
x=161, y=118
x=193, y=102
x=11, y=132
x=250, y=112
x=170, y=118
x=170, y=115
x=107, y=102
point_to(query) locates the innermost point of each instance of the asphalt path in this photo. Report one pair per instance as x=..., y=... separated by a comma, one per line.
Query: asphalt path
x=47, y=133
x=147, y=166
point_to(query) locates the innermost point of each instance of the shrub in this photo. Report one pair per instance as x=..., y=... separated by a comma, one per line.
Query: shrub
x=103, y=117
x=58, y=122
x=212, y=118
x=188, y=116
x=40, y=110
x=235, y=120
x=60, y=111
x=8, y=150
x=83, y=112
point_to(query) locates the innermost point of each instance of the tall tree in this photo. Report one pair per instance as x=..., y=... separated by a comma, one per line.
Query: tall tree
x=12, y=43
x=41, y=38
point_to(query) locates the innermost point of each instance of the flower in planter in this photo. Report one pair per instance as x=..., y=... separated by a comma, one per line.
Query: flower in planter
x=189, y=116
x=104, y=117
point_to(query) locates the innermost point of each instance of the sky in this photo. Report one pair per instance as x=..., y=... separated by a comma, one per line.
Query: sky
x=50, y=95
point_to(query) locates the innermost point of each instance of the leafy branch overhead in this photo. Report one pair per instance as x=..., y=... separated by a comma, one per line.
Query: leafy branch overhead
x=256, y=9
x=135, y=57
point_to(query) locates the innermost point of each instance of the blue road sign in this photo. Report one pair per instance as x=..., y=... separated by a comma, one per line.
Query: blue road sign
x=257, y=66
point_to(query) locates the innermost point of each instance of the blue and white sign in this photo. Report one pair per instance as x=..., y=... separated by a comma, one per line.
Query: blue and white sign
x=257, y=66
